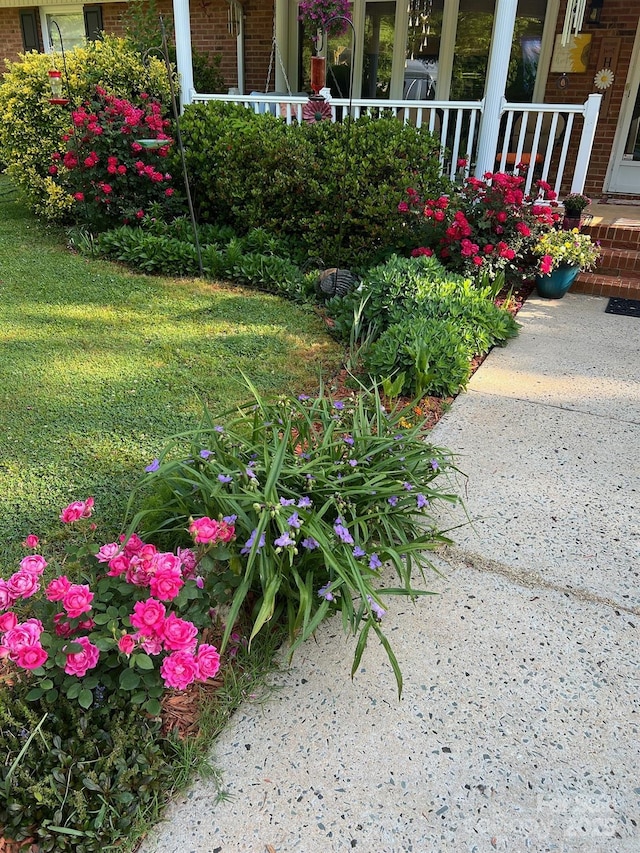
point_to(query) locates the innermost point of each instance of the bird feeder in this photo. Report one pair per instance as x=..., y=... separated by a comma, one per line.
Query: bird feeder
x=55, y=82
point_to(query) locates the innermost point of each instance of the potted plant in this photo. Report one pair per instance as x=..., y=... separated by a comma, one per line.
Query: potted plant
x=574, y=204
x=563, y=254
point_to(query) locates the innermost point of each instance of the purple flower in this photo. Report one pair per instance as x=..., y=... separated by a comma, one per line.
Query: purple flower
x=348, y=440
x=324, y=592
x=339, y=405
x=353, y=462
x=218, y=429
x=434, y=464
x=398, y=437
x=199, y=582
x=287, y=501
x=224, y=478
x=305, y=502
x=205, y=454
x=407, y=486
x=342, y=533
x=378, y=611
x=303, y=397
x=374, y=562
x=284, y=540
x=231, y=519
x=153, y=466
x=421, y=501
x=310, y=543
x=358, y=552
x=393, y=500
x=305, y=456
x=248, y=545
x=294, y=521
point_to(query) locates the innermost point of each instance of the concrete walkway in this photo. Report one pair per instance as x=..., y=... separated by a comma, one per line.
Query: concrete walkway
x=518, y=726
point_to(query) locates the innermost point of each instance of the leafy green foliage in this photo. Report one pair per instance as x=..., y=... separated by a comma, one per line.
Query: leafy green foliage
x=310, y=182
x=254, y=259
x=84, y=778
x=420, y=325
x=31, y=127
x=426, y=354
x=321, y=492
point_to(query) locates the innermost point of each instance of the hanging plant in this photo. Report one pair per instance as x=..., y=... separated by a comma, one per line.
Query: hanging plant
x=326, y=15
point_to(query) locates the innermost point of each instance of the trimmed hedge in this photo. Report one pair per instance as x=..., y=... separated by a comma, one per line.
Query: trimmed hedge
x=331, y=187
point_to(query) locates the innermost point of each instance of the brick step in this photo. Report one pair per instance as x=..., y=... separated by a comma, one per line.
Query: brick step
x=619, y=262
x=615, y=236
x=597, y=284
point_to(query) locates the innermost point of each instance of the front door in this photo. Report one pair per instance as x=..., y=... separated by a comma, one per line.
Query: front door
x=624, y=169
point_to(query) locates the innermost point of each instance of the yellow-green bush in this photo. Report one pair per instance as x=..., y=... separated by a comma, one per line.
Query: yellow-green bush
x=31, y=127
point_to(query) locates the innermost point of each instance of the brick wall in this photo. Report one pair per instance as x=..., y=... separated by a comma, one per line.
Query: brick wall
x=620, y=21
x=10, y=36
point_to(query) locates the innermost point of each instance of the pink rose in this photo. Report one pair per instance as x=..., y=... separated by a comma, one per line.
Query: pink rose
x=31, y=657
x=21, y=635
x=118, y=565
x=189, y=562
x=148, y=617
x=78, y=663
x=57, y=588
x=152, y=645
x=8, y=621
x=76, y=510
x=34, y=563
x=132, y=545
x=166, y=583
x=167, y=560
x=62, y=627
x=179, y=670
x=23, y=584
x=204, y=530
x=77, y=600
x=178, y=634
x=7, y=598
x=108, y=552
x=126, y=644
x=208, y=661
x=31, y=541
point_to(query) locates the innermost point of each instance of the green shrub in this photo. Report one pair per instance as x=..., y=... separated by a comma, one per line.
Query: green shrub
x=422, y=324
x=31, y=127
x=421, y=356
x=321, y=494
x=77, y=780
x=321, y=184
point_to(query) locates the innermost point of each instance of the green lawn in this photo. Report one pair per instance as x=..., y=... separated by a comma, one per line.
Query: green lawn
x=99, y=365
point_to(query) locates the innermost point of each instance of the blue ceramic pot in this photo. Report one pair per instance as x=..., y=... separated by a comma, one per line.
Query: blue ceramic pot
x=557, y=282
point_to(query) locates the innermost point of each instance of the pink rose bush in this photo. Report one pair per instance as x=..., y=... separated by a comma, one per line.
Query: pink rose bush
x=109, y=630
x=112, y=177
x=485, y=226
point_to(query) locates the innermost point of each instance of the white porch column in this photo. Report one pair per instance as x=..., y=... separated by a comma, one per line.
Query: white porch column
x=591, y=112
x=182, y=28
x=497, y=69
x=282, y=45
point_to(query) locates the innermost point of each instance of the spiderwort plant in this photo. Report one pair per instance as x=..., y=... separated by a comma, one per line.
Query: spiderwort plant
x=317, y=490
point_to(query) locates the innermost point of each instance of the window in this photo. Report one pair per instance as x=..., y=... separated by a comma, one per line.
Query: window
x=69, y=26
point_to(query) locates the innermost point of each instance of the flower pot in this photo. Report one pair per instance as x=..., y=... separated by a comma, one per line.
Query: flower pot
x=557, y=282
x=571, y=221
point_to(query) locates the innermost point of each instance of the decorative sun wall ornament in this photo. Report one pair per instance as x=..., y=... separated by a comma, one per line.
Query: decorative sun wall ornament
x=603, y=79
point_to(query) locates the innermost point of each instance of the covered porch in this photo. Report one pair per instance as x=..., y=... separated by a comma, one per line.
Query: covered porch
x=548, y=141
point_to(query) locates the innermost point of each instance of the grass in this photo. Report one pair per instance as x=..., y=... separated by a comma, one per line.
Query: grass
x=100, y=365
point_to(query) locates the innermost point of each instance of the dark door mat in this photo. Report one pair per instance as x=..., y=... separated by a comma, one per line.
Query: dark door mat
x=627, y=307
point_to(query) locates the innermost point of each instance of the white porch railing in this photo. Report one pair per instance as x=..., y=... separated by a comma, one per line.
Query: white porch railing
x=536, y=139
